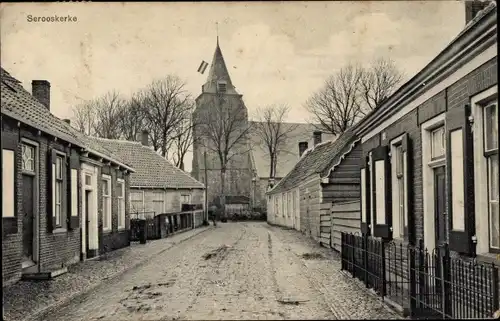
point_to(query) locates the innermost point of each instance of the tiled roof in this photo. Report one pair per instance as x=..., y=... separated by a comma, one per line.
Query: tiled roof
x=19, y=104
x=22, y=106
x=289, y=153
x=316, y=160
x=151, y=170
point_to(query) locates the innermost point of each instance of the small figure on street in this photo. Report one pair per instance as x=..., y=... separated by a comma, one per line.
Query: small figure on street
x=213, y=210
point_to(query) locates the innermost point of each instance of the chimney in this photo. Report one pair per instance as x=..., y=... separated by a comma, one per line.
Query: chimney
x=472, y=7
x=302, y=148
x=67, y=121
x=40, y=89
x=145, y=138
x=317, y=137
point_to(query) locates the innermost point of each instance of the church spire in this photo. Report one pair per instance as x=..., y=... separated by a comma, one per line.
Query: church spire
x=218, y=74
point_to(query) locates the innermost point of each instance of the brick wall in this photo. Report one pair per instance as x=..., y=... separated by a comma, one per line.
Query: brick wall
x=55, y=249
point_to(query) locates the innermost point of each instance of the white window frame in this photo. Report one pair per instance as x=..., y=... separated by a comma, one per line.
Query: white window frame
x=107, y=217
x=159, y=197
x=8, y=183
x=428, y=177
x=58, y=199
x=121, y=203
x=398, y=220
x=188, y=196
x=24, y=147
x=481, y=191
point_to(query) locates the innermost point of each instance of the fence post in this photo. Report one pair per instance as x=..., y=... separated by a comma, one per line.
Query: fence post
x=382, y=268
x=421, y=270
x=413, y=280
x=446, y=282
x=494, y=286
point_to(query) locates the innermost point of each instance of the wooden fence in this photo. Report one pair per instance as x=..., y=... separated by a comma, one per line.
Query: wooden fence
x=345, y=217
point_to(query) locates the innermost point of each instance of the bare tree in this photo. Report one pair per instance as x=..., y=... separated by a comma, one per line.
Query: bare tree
x=271, y=130
x=100, y=116
x=132, y=118
x=166, y=104
x=352, y=92
x=379, y=81
x=336, y=106
x=225, y=132
x=84, y=118
x=182, y=141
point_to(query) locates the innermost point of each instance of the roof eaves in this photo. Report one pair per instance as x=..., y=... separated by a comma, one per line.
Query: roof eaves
x=108, y=158
x=341, y=158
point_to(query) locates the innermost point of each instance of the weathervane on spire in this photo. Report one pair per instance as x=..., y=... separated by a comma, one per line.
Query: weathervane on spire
x=217, y=31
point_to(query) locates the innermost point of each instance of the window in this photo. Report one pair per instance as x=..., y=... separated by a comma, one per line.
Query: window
x=88, y=179
x=491, y=128
x=283, y=204
x=28, y=158
x=185, y=199
x=399, y=182
x=58, y=190
x=120, y=195
x=106, y=202
x=276, y=205
x=136, y=201
x=438, y=141
x=221, y=86
x=490, y=134
x=158, y=202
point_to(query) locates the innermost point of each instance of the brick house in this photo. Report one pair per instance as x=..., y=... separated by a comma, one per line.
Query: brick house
x=41, y=196
x=157, y=186
x=436, y=138
x=326, y=173
x=105, y=194
x=429, y=165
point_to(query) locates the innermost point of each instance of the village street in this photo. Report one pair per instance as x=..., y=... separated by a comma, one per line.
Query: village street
x=234, y=271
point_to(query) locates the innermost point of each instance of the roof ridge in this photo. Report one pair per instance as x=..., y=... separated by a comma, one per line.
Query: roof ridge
x=117, y=140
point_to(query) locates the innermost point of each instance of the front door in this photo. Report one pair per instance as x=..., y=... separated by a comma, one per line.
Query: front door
x=87, y=221
x=441, y=222
x=28, y=220
x=440, y=206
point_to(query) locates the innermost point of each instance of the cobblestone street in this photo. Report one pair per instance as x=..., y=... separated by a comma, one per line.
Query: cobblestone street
x=235, y=271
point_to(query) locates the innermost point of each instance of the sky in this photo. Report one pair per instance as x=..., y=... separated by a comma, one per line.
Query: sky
x=276, y=52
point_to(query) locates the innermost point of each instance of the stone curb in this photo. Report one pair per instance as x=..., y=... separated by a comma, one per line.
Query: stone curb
x=39, y=315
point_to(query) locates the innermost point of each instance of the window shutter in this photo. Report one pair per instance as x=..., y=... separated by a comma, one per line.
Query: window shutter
x=9, y=223
x=381, y=169
x=51, y=190
x=73, y=191
x=409, y=230
x=365, y=196
x=460, y=180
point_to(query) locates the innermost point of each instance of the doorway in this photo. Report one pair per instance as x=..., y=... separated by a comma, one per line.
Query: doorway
x=87, y=201
x=29, y=230
x=440, y=219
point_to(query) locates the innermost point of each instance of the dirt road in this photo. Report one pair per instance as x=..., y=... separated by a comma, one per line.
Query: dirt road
x=235, y=271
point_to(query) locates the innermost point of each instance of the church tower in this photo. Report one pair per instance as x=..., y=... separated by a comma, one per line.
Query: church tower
x=219, y=91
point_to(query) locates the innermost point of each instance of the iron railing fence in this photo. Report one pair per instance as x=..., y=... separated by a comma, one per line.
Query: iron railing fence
x=427, y=284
